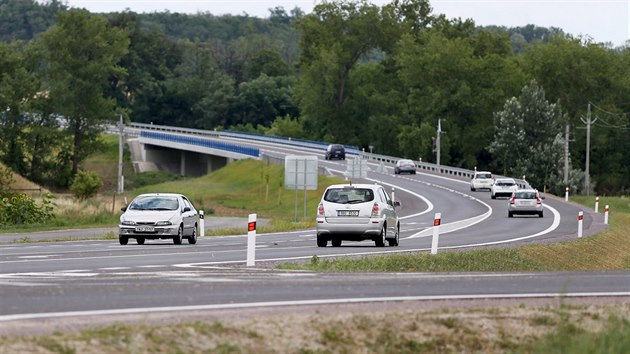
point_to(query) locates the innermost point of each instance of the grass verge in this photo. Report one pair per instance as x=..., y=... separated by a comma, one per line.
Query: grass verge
x=518, y=329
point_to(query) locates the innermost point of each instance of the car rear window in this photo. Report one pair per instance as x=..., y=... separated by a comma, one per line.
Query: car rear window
x=154, y=203
x=525, y=195
x=483, y=175
x=349, y=195
x=505, y=183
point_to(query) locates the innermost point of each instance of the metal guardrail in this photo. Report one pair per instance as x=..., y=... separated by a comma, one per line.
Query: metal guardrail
x=351, y=150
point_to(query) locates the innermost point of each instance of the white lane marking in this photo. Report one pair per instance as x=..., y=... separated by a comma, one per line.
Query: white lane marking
x=152, y=266
x=36, y=257
x=30, y=316
x=114, y=268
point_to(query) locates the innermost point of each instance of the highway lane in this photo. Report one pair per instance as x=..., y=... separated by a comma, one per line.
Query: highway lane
x=103, y=275
x=160, y=289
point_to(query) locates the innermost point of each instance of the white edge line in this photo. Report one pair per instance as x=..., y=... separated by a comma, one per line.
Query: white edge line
x=30, y=316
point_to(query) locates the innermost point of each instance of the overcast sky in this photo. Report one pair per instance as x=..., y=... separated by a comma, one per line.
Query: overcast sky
x=603, y=20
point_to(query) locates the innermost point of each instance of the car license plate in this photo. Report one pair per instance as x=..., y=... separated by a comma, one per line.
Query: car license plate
x=145, y=229
x=347, y=213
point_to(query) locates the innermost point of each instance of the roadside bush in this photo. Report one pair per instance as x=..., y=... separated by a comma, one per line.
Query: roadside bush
x=85, y=185
x=20, y=209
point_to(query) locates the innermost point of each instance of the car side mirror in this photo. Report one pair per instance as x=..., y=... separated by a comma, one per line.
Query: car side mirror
x=186, y=209
x=124, y=208
x=396, y=203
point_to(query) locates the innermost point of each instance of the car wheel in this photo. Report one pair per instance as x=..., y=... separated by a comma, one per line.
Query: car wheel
x=540, y=215
x=472, y=189
x=178, y=239
x=322, y=241
x=510, y=214
x=123, y=240
x=380, y=242
x=394, y=241
x=336, y=242
x=493, y=196
x=193, y=238
x=140, y=240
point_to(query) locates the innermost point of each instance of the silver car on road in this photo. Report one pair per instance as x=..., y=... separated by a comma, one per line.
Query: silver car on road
x=525, y=201
x=158, y=216
x=356, y=212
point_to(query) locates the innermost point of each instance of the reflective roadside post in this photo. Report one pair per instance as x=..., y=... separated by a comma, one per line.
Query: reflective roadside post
x=566, y=194
x=606, y=215
x=597, y=204
x=436, y=232
x=393, y=191
x=202, y=224
x=251, y=240
x=580, y=221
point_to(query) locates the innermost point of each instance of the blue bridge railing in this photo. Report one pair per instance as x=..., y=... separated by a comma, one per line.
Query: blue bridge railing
x=191, y=140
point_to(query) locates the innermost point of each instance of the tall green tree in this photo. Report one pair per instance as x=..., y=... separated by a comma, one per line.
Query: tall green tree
x=81, y=55
x=528, y=139
x=17, y=90
x=335, y=37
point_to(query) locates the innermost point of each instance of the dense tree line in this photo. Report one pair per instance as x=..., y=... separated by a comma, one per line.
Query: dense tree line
x=349, y=72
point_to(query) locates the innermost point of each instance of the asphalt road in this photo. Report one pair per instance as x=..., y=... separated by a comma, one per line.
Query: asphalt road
x=57, y=279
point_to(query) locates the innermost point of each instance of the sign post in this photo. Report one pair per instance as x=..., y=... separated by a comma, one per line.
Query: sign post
x=300, y=172
x=251, y=240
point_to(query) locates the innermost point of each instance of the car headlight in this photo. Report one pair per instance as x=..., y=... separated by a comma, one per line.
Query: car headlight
x=163, y=223
x=128, y=222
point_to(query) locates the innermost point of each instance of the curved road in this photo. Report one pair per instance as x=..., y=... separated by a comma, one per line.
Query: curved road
x=101, y=277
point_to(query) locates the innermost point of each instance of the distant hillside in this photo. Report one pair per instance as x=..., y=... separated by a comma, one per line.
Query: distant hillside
x=22, y=184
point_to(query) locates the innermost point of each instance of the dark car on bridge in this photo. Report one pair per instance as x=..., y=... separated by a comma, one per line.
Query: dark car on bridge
x=335, y=151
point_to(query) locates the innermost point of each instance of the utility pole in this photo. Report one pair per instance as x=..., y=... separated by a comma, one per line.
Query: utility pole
x=588, y=122
x=566, y=156
x=437, y=141
x=121, y=129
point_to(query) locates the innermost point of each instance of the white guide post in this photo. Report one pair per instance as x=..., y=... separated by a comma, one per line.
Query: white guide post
x=597, y=204
x=566, y=194
x=251, y=240
x=580, y=221
x=436, y=232
x=202, y=224
x=606, y=214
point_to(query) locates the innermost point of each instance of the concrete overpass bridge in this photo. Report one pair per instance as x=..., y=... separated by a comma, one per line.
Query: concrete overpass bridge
x=195, y=152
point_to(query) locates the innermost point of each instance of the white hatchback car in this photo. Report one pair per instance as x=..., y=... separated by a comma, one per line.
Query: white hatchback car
x=158, y=216
x=481, y=180
x=503, y=187
x=356, y=212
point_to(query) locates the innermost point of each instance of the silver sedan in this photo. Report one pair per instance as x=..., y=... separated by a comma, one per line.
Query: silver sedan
x=158, y=216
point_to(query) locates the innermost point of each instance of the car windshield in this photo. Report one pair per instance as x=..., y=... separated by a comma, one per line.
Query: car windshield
x=154, y=203
x=483, y=175
x=349, y=195
x=525, y=195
